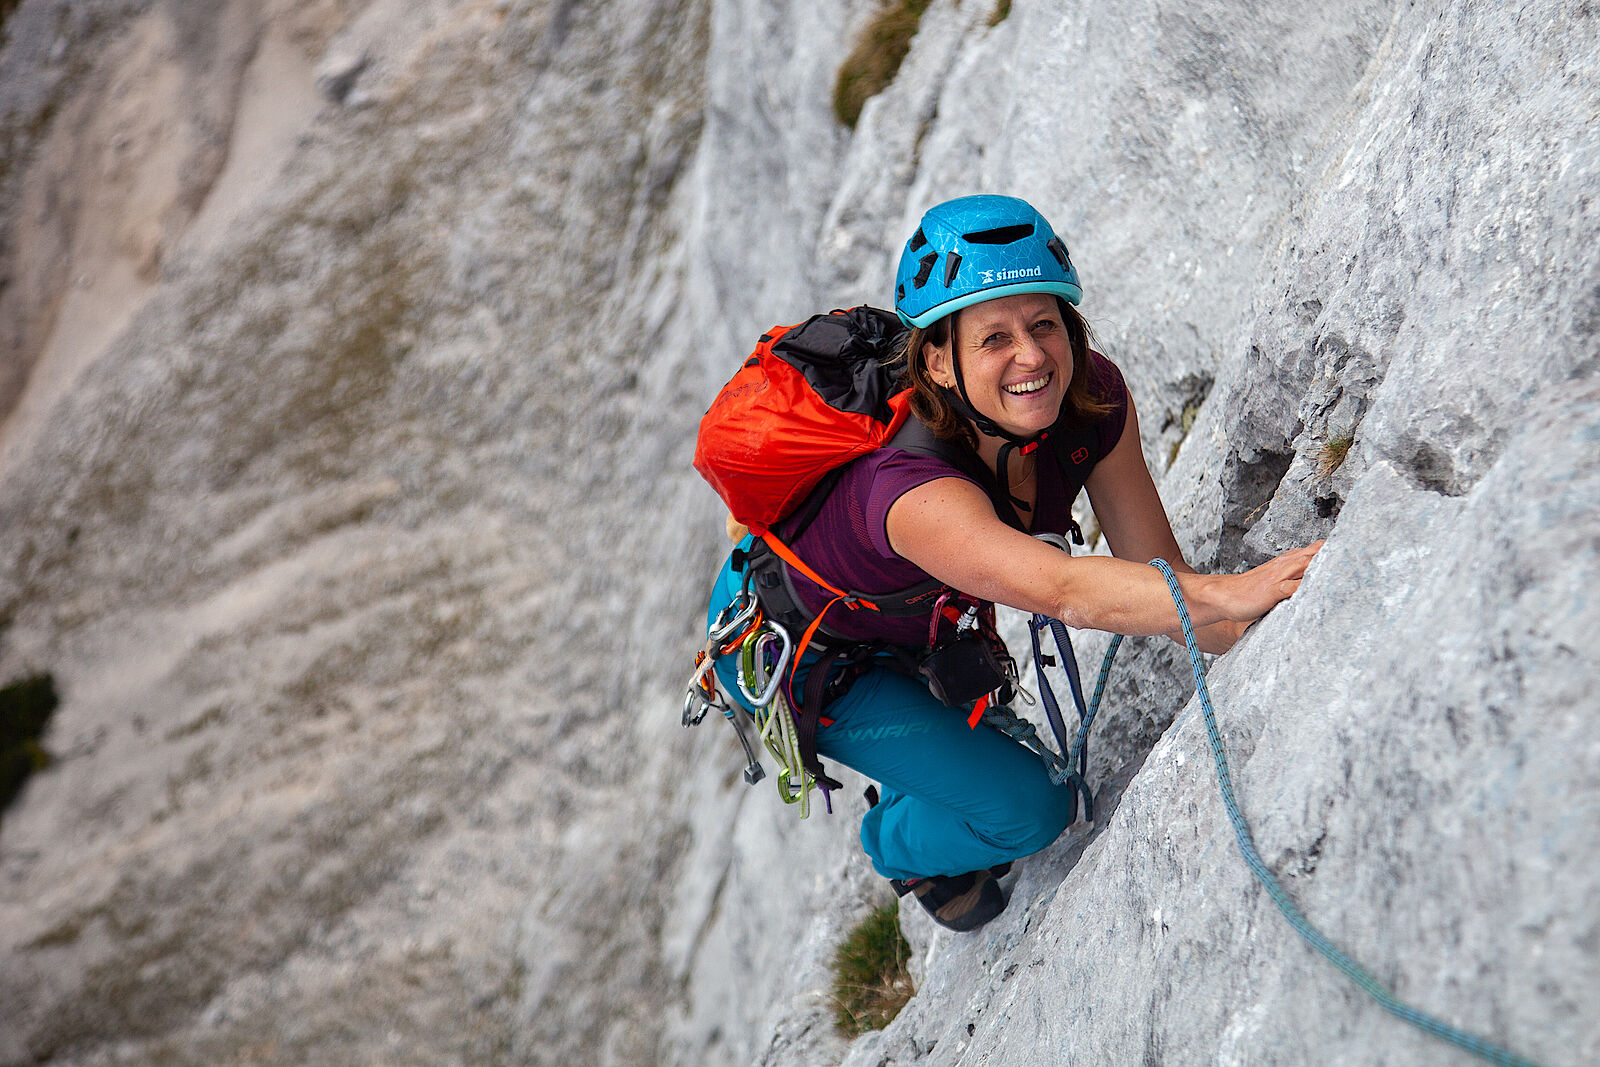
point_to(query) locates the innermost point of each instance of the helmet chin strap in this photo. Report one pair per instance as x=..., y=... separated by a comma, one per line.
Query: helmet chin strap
x=988, y=427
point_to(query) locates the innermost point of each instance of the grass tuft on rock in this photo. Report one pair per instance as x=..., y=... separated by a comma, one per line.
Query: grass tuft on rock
x=870, y=980
x=25, y=710
x=876, y=58
x=1331, y=456
x=1001, y=10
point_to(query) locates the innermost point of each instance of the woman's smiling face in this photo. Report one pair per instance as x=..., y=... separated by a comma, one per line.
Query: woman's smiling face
x=1016, y=361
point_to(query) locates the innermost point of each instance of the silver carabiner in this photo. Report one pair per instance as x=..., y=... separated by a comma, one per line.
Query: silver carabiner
x=742, y=610
x=1055, y=539
x=702, y=689
x=692, y=715
x=751, y=655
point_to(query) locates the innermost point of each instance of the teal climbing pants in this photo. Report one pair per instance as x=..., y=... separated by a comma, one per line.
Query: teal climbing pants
x=951, y=798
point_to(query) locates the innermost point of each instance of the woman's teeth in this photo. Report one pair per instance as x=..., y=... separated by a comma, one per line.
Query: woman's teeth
x=1029, y=387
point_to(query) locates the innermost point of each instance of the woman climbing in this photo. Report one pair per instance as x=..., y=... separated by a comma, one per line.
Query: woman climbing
x=1017, y=414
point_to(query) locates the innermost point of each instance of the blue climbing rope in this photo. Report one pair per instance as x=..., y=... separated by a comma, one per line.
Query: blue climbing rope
x=1241, y=832
x=1070, y=766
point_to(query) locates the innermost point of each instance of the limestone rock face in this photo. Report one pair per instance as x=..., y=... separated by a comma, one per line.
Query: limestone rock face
x=353, y=355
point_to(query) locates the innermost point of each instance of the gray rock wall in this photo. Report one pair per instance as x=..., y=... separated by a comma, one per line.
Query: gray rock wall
x=361, y=539
x=1412, y=734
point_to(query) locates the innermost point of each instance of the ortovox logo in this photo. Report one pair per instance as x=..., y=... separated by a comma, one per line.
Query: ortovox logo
x=1080, y=455
x=732, y=393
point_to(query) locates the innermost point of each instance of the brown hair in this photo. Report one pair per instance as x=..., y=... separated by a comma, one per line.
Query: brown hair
x=928, y=400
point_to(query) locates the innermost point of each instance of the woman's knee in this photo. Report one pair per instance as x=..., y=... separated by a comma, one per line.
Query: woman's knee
x=1033, y=818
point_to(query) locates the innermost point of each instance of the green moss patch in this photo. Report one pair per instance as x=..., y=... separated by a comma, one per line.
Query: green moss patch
x=870, y=980
x=876, y=58
x=25, y=710
x=1001, y=10
x=1185, y=424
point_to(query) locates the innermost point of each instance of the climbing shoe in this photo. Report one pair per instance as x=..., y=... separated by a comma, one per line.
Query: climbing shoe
x=957, y=902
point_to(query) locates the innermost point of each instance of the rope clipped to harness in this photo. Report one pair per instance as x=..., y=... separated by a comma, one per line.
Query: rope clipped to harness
x=1280, y=897
x=1068, y=765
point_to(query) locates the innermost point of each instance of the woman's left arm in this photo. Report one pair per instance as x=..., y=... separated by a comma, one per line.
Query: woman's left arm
x=1135, y=523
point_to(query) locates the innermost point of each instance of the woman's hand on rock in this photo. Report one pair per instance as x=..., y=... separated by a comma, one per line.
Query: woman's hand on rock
x=1257, y=591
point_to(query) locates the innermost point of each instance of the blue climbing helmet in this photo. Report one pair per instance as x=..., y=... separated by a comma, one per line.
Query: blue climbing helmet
x=978, y=248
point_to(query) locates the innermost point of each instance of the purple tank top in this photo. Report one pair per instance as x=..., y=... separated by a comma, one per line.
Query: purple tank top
x=848, y=541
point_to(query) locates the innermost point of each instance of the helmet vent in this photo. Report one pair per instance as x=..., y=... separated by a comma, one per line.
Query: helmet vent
x=1002, y=235
x=924, y=268
x=1059, y=250
x=952, y=263
x=918, y=239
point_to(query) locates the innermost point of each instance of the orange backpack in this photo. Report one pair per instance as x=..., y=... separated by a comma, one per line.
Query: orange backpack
x=810, y=398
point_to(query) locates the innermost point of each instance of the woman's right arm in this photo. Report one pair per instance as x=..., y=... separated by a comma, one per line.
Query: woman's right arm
x=948, y=528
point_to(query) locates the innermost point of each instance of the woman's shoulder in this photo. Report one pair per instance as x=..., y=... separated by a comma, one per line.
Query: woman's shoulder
x=869, y=486
x=850, y=531
x=902, y=467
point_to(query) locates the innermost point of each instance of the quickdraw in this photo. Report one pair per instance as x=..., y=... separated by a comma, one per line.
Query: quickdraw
x=764, y=649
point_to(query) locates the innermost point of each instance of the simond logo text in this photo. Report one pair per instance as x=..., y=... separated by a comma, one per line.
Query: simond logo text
x=992, y=277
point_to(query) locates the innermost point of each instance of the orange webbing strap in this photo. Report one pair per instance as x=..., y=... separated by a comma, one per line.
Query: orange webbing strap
x=811, y=631
x=800, y=649
x=785, y=553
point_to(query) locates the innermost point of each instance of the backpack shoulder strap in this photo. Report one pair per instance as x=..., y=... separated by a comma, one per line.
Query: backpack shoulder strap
x=915, y=437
